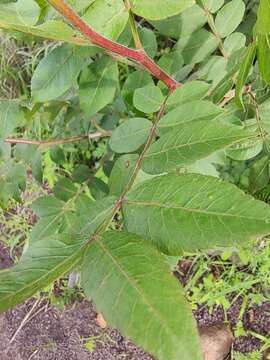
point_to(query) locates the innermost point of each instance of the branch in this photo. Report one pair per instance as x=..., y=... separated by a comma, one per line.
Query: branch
x=119, y=202
x=138, y=55
x=95, y=135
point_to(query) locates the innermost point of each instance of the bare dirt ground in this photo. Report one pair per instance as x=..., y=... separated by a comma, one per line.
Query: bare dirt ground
x=54, y=334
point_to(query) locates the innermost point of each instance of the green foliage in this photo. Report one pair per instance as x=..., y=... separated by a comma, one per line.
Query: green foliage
x=124, y=279
x=136, y=168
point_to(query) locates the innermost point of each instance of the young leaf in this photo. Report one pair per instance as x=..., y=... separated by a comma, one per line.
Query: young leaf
x=132, y=287
x=130, y=135
x=56, y=73
x=190, y=212
x=159, y=9
x=148, y=99
x=190, y=91
x=229, y=17
x=194, y=141
x=243, y=73
x=98, y=85
x=135, y=80
x=43, y=263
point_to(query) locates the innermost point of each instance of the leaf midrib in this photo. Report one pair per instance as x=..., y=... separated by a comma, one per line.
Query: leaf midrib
x=200, y=141
x=180, y=207
x=48, y=273
x=135, y=286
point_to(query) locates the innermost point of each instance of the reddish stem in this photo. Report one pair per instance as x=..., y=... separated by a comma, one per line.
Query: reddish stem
x=138, y=55
x=58, y=141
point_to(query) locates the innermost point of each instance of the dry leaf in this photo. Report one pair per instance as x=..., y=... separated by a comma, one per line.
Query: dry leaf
x=101, y=321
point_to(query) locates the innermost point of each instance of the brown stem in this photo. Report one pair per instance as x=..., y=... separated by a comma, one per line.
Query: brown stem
x=134, y=174
x=95, y=135
x=135, y=54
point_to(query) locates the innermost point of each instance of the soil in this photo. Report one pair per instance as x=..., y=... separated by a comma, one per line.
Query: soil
x=55, y=334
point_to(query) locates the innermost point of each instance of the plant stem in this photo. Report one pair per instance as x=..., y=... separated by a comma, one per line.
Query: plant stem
x=111, y=46
x=211, y=23
x=133, y=26
x=95, y=135
x=134, y=174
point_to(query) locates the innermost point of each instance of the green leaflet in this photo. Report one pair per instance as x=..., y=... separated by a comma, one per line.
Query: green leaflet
x=136, y=79
x=213, y=5
x=229, y=17
x=195, y=140
x=245, y=150
x=54, y=214
x=159, y=9
x=148, y=99
x=27, y=11
x=190, y=20
x=130, y=135
x=188, y=112
x=262, y=31
x=98, y=85
x=121, y=173
x=43, y=263
x=244, y=72
x=12, y=182
x=108, y=17
x=197, y=46
x=149, y=41
x=11, y=116
x=263, y=54
x=190, y=91
x=132, y=287
x=190, y=212
x=57, y=30
x=234, y=42
x=64, y=189
x=56, y=73
x=263, y=25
